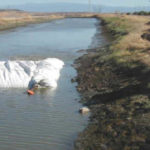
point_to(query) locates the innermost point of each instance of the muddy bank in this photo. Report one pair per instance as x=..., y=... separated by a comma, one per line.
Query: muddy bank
x=118, y=94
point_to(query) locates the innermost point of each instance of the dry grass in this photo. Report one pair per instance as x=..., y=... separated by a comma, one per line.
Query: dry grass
x=133, y=39
x=130, y=47
x=12, y=19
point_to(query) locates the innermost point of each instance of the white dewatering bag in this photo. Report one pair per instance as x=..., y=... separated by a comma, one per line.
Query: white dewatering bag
x=26, y=73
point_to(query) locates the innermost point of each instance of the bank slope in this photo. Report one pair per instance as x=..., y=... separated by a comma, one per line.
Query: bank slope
x=115, y=84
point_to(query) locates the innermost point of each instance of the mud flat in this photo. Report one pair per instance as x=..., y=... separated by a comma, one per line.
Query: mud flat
x=115, y=84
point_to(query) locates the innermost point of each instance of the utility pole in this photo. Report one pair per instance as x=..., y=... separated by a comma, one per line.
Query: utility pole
x=90, y=6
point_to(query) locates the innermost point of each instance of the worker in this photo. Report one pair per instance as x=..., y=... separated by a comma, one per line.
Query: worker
x=31, y=90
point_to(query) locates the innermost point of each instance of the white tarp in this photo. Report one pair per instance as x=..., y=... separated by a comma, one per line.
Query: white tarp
x=25, y=73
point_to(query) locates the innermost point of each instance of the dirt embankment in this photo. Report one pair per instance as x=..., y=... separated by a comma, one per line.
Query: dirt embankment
x=115, y=84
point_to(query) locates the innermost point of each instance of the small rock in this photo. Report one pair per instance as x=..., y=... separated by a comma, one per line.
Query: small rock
x=84, y=110
x=97, y=69
x=73, y=79
x=79, y=89
x=103, y=147
x=146, y=36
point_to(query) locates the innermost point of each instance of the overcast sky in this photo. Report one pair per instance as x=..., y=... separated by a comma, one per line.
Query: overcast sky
x=131, y=3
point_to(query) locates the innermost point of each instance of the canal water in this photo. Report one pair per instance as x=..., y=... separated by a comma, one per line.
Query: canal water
x=49, y=120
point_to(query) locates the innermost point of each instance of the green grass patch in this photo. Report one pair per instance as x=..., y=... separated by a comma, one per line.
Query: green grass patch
x=117, y=26
x=142, y=13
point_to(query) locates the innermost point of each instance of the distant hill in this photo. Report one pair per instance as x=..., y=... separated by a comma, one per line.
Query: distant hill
x=123, y=9
x=73, y=7
x=52, y=7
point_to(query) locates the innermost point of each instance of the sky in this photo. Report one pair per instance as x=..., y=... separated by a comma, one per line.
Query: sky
x=131, y=3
